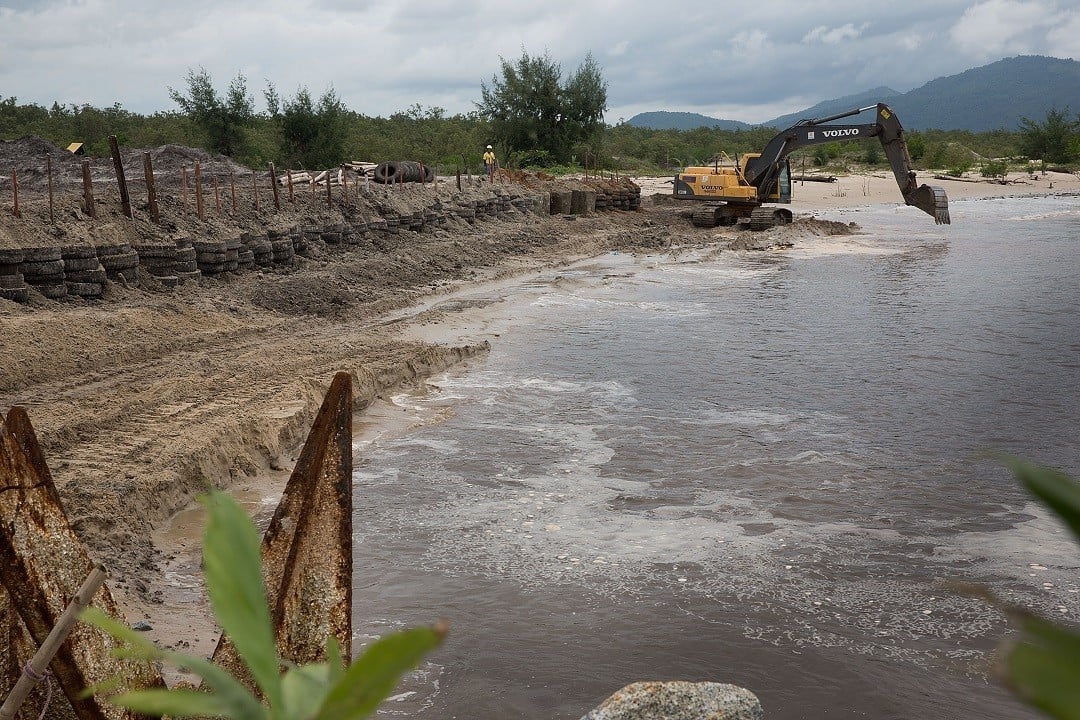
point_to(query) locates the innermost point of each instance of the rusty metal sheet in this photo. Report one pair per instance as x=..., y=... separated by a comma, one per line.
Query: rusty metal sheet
x=42, y=565
x=307, y=548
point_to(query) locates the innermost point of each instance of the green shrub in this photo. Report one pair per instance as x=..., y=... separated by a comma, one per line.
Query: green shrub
x=320, y=691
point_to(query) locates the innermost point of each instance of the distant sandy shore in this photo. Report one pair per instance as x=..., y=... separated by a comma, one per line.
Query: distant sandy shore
x=864, y=189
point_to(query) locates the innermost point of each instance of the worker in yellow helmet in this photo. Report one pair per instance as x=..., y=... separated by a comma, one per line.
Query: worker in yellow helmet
x=489, y=163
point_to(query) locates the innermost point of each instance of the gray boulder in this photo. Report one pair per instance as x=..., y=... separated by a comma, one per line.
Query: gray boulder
x=679, y=700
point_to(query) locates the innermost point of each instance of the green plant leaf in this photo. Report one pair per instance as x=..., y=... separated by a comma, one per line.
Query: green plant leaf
x=304, y=688
x=177, y=703
x=335, y=670
x=228, y=690
x=375, y=674
x=234, y=581
x=1057, y=490
x=1044, y=668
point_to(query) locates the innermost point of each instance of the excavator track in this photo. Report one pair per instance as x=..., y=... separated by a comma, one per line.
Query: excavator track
x=706, y=216
x=763, y=218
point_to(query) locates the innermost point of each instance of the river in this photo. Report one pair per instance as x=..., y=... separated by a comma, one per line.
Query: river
x=759, y=468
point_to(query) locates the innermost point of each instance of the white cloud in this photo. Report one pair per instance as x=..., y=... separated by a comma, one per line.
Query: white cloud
x=833, y=36
x=382, y=56
x=992, y=28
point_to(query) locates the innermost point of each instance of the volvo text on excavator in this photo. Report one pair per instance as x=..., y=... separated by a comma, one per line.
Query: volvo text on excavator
x=738, y=191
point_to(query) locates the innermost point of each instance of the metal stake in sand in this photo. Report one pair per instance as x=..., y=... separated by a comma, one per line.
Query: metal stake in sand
x=39, y=664
x=121, y=181
x=198, y=192
x=88, y=190
x=151, y=190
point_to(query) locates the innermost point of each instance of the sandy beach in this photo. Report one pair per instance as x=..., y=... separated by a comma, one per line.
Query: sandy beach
x=147, y=396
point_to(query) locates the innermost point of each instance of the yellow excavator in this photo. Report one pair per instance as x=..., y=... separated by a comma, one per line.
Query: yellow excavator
x=734, y=192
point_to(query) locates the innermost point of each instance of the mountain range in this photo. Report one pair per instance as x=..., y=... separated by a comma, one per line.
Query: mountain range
x=991, y=97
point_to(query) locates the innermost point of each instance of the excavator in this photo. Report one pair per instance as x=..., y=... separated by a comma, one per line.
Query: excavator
x=734, y=192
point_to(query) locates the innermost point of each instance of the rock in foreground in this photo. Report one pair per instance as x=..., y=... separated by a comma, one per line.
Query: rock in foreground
x=679, y=700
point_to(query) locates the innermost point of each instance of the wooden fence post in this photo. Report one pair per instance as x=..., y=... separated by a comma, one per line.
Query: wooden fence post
x=183, y=171
x=151, y=190
x=121, y=181
x=292, y=198
x=198, y=192
x=15, y=192
x=273, y=184
x=88, y=190
x=48, y=173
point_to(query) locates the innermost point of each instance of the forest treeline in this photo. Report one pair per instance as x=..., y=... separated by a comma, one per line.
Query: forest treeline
x=533, y=116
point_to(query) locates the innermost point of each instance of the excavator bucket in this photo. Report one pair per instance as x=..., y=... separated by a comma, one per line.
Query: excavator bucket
x=932, y=201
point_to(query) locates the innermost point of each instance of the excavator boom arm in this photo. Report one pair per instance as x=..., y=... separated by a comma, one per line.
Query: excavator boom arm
x=762, y=172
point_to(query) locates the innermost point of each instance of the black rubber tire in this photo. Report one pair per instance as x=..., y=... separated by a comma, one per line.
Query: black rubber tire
x=72, y=252
x=43, y=267
x=111, y=250
x=41, y=254
x=156, y=251
x=84, y=289
x=54, y=291
x=87, y=276
x=11, y=281
x=11, y=256
x=122, y=261
x=19, y=295
x=77, y=264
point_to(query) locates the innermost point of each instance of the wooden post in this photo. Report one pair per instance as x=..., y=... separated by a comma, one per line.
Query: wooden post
x=344, y=186
x=151, y=190
x=40, y=662
x=217, y=194
x=48, y=173
x=118, y=164
x=273, y=184
x=88, y=190
x=329, y=191
x=183, y=170
x=198, y=192
x=292, y=198
x=15, y=192
x=232, y=184
x=255, y=189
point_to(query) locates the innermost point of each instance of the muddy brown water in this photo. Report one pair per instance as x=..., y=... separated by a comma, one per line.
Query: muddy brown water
x=758, y=468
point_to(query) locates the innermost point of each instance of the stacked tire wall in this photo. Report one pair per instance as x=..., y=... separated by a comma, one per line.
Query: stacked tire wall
x=84, y=271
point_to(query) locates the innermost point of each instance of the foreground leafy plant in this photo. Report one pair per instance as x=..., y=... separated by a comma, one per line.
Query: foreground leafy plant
x=322, y=691
x=1042, y=666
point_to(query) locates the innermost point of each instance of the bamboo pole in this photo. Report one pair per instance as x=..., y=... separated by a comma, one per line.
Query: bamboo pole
x=151, y=190
x=88, y=190
x=35, y=669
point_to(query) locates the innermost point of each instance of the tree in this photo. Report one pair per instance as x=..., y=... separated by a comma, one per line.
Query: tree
x=313, y=133
x=532, y=111
x=222, y=119
x=1051, y=141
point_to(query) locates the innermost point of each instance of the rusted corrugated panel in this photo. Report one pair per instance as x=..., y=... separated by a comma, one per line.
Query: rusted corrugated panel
x=42, y=565
x=307, y=548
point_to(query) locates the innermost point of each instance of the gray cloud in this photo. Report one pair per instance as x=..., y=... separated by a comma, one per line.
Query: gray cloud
x=381, y=57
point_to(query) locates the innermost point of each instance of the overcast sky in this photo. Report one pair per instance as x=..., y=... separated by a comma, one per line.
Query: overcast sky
x=736, y=61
